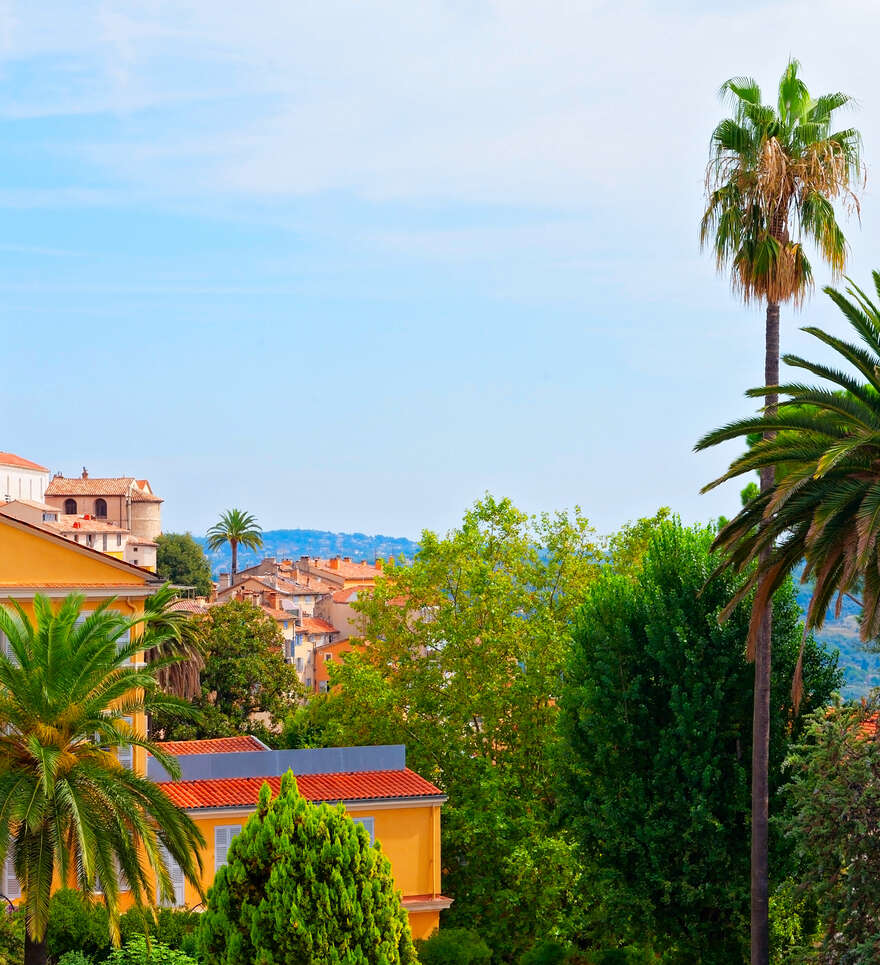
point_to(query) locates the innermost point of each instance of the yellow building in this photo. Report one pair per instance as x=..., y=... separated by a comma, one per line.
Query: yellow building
x=221, y=779
x=220, y=785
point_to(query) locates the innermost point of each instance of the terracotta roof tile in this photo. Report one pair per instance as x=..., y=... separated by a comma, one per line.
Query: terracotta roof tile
x=10, y=459
x=115, y=486
x=213, y=745
x=139, y=496
x=245, y=791
x=316, y=625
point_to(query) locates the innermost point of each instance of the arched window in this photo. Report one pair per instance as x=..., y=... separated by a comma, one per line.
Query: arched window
x=70, y=507
x=101, y=508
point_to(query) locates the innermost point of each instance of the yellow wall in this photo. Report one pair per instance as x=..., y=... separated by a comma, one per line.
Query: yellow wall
x=410, y=837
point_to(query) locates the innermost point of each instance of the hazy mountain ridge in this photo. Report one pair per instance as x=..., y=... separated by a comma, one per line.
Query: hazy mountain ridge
x=293, y=543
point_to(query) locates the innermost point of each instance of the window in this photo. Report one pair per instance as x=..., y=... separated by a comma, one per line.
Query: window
x=101, y=508
x=368, y=824
x=299, y=664
x=223, y=836
x=328, y=657
x=104, y=542
x=125, y=752
x=323, y=687
x=178, y=881
x=11, y=887
x=70, y=507
x=119, y=539
x=50, y=517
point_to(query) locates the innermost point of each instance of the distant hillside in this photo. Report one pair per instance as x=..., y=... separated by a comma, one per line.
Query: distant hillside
x=861, y=668
x=293, y=543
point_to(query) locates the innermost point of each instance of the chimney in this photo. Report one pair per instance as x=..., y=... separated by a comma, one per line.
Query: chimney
x=333, y=563
x=223, y=582
x=346, y=559
x=85, y=473
x=379, y=562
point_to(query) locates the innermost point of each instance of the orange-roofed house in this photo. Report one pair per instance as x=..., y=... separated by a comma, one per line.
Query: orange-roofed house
x=220, y=786
x=325, y=656
x=338, y=572
x=21, y=479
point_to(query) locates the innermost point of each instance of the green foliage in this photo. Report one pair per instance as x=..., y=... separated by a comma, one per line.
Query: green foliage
x=794, y=924
x=11, y=936
x=70, y=811
x=77, y=924
x=174, y=927
x=465, y=672
x=833, y=817
x=75, y=958
x=656, y=721
x=138, y=951
x=244, y=675
x=453, y=946
x=303, y=884
x=629, y=544
x=547, y=952
x=181, y=560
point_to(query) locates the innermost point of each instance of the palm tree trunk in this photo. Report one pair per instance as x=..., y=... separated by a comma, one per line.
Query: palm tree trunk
x=760, y=886
x=233, y=543
x=35, y=953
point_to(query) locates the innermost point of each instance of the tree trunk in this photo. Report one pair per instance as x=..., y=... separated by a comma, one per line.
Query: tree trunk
x=760, y=887
x=233, y=543
x=34, y=952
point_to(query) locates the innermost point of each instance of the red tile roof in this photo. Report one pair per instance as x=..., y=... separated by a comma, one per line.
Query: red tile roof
x=345, y=595
x=316, y=625
x=115, y=486
x=215, y=745
x=245, y=791
x=9, y=459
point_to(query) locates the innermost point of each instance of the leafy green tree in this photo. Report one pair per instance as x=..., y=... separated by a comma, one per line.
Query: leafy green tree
x=771, y=183
x=463, y=665
x=237, y=528
x=70, y=810
x=77, y=924
x=181, y=560
x=833, y=816
x=246, y=686
x=656, y=723
x=303, y=884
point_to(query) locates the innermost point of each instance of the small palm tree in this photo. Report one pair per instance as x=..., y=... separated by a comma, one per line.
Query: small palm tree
x=180, y=650
x=70, y=812
x=771, y=183
x=824, y=506
x=238, y=529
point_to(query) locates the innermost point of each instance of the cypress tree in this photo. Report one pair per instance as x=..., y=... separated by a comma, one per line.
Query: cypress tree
x=302, y=884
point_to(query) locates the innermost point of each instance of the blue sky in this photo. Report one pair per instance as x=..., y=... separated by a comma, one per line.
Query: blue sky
x=348, y=266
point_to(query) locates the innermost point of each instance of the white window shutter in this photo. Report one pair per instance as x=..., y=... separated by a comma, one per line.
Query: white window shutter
x=368, y=824
x=11, y=887
x=178, y=880
x=125, y=752
x=223, y=836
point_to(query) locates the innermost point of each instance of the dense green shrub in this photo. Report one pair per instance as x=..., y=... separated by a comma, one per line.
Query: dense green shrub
x=548, y=952
x=77, y=924
x=11, y=937
x=139, y=952
x=453, y=946
x=303, y=884
x=174, y=927
x=75, y=958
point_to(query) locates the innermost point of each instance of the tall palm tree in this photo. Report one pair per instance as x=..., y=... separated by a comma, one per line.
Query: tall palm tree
x=238, y=529
x=824, y=507
x=771, y=183
x=69, y=810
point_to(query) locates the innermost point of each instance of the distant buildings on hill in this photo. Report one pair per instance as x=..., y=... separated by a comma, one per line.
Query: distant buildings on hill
x=120, y=516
